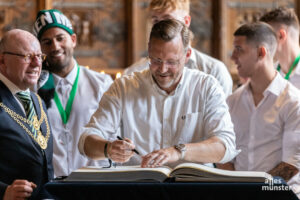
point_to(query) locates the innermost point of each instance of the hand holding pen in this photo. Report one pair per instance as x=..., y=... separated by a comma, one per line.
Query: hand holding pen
x=134, y=150
x=120, y=150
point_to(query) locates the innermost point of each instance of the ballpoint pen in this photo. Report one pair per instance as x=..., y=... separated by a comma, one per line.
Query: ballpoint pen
x=132, y=149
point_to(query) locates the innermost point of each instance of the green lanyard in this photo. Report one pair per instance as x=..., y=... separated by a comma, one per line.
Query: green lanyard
x=65, y=114
x=287, y=76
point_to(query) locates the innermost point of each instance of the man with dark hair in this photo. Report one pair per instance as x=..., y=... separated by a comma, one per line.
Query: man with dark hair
x=266, y=110
x=25, y=135
x=168, y=112
x=72, y=92
x=286, y=24
x=180, y=10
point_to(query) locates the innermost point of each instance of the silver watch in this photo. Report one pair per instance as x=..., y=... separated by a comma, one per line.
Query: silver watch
x=182, y=149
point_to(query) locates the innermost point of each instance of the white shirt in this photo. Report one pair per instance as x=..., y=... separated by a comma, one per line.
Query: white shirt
x=198, y=60
x=91, y=86
x=269, y=133
x=152, y=119
x=294, y=76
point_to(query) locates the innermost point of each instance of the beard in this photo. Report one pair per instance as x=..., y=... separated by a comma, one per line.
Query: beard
x=57, y=65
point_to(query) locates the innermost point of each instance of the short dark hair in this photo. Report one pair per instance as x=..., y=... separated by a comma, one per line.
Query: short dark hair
x=168, y=29
x=259, y=33
x=282, y=15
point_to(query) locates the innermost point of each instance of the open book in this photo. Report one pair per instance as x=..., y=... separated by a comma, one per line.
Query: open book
x=182, y=172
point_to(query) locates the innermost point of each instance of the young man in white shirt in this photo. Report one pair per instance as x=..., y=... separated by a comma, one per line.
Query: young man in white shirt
x=76, y=91
x=179, y=10
x=286, y=24
x=169, y=113
x=266, y=110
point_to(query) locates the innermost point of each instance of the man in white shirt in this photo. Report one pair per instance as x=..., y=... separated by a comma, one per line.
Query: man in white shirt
x=169, y=113
x=286, y=24
x=179, y=9
x=266, y=110
x=76, y=91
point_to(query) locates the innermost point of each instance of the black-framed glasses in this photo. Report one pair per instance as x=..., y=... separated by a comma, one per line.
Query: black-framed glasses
x=28, y=57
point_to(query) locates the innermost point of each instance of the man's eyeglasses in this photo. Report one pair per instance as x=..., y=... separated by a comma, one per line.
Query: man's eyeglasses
x=28, y=57
x=159, y=62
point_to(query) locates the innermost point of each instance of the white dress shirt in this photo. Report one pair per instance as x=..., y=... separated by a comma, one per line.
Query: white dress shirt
x=91, y=86
x=295, y=76
x=198, y=60
x=152, y=119
x=268, y=133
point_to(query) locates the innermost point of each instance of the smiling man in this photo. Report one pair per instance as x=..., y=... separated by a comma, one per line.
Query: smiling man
x=180, y=10
x=25, y=134
x=169, y=113
x=72, y=92
x=266, y=110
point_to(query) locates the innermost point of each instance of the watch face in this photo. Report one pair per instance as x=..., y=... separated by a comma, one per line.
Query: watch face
x=180, y=147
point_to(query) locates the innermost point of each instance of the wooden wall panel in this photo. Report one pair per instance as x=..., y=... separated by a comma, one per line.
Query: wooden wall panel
x=239, y=12
x=17, y=14
x=100, y=27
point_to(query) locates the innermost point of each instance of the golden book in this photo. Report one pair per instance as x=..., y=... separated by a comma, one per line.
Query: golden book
x=185, y=172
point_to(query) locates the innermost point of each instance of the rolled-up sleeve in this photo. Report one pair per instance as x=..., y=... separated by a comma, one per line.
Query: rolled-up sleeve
x=218, y=121
x=106, y=120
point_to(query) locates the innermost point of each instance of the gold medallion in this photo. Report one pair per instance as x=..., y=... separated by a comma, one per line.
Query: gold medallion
x=35, y=123
x=41, y=140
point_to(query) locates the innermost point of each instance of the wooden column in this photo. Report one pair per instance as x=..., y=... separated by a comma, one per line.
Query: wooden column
x=219, y=32
x=130, y=12
x=43, y=4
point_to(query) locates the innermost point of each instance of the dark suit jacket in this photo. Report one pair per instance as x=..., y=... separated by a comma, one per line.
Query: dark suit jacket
x=20, y=156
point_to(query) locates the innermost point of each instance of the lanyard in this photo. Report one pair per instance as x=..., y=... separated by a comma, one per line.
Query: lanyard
x=64, y=113
x=287, y=76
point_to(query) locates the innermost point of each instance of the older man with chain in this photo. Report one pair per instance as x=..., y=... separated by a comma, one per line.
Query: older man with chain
x=25, y=135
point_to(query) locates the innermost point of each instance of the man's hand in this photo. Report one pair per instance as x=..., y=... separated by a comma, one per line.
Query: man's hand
x=19, y=189
x=285, y=170
x=160, y=157
x=120, y=150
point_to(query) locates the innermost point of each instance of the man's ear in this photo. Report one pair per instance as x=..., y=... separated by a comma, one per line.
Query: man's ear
x=262, y=51
x=74, y=39
x=188, y=55
x=282, y=34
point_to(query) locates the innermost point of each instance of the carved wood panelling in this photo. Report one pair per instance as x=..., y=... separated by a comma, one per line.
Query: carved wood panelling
x=100, y=28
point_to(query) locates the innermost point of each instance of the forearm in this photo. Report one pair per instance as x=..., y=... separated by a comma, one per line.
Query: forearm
x=94, y=147
x=284, y=170
x=211, y=150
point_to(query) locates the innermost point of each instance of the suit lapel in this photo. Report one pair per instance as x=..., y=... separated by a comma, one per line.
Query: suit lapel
x=8, y=99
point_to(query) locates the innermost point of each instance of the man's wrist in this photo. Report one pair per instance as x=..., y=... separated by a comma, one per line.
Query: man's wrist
x=181, y=148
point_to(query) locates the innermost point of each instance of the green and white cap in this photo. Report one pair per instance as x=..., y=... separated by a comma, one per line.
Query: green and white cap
x=51, y=18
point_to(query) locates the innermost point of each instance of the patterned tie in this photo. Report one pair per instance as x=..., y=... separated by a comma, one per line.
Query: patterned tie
x=28, y=106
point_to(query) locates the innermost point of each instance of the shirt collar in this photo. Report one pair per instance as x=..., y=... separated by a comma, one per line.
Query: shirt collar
x=10, y=85
x=275, y=87
x=70, y=78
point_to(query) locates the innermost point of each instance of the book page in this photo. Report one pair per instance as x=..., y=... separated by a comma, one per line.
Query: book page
x=198, y=171
x=120, y=174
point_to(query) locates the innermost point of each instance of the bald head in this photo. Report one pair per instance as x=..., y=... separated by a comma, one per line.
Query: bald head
x=20, y=58
x=17, y=38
